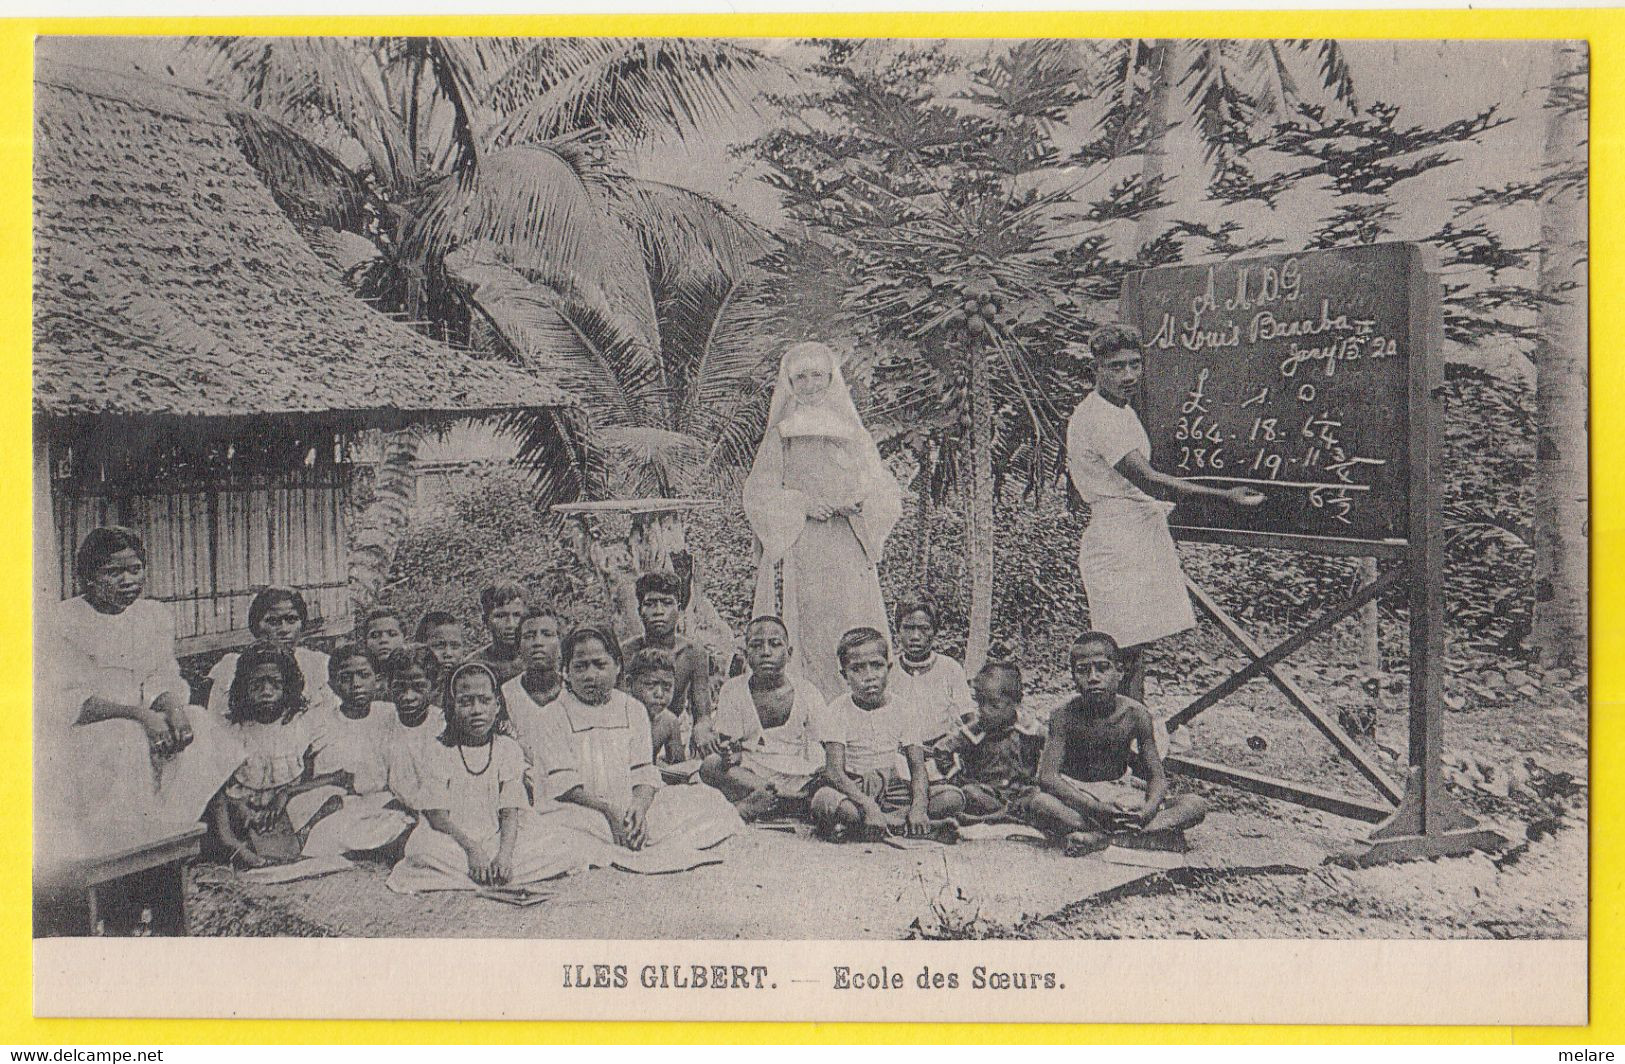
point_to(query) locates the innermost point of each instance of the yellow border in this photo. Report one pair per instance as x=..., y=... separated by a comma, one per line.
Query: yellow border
x=1605, y=29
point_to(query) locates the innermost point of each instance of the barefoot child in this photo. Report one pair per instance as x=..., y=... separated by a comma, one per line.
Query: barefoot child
x=650, y=676
x=658, y=597
x=998, y=763
x=863, y=732
x=355, y=747
x=478, y=829
x=502, y=607
x=258, y=817
x=443, y=635
x=1086, y=794
x=932, y=682
x=772, y=723
x=278, y=615
x=382, y=632
x=601, y=780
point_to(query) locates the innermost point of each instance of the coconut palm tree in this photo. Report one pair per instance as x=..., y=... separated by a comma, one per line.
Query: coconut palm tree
x=502, y=152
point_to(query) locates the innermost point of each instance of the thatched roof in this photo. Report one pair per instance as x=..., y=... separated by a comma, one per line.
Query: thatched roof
x=168, y=281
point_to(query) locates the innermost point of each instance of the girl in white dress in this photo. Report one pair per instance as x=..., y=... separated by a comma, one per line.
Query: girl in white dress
x=477, y=827
x=120, y=754
x=601, y=777
x=280, y=616
x=355, y=746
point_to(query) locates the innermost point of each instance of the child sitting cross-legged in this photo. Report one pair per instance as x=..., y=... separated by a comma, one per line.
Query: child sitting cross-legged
x=477, y=827
x=650, y=676
x=771, y=723
x=601, y=778
x=998, y=762
x=355, y=747
x=1086, y=793
x=862, y=733
x=266, y=809
x=411, y=675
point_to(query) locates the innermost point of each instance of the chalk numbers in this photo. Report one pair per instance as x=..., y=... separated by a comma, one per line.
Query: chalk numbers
x=1198, y=428
x=1196, y=458
x=1264, y=428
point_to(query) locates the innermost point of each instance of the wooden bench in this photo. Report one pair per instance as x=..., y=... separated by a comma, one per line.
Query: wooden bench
x=131, y=889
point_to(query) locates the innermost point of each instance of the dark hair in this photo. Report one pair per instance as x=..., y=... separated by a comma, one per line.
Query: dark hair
x=347, y=651
x=659, y=584
x=650, y=660
x=859, y=637
x=376, y=613
x=589, y=633
x=499, y=594
x=293, y=682
x=432, y=620
x=768, y=618
x=923, y=604
x=101, y=544
x=535, y=612
x=1109, y=339
x=1097, y=639
x=412, y=656
x=1007, y=669
x=262, y=603
x=502, y=726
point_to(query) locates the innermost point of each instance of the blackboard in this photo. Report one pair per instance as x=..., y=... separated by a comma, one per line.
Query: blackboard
x=1290, y=374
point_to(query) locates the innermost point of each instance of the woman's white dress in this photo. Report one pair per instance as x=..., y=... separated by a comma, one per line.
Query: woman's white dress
x=97, y=785
x=605, y=750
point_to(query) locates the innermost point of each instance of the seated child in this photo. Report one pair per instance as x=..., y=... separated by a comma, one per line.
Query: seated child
x=502, y=607
x=1086, y=794
x=771, y=723
x=862, y=733
x=650, y=676
x=998, y=763
x=539, y=684
x=381, y=631
x=478, y=829
x=266, y=809
x=411, y=675
x=443, y=635
x=355, y=749
x=602, y=780
x=659, y=595
x=933, y=682
x=278, y=615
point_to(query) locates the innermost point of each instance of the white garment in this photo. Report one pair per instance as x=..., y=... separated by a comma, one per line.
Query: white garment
x=939, y=692
x=1130, y=567
x=526, y=714
x=359, y=747
x=98, y=785
x=873, y=738
x=312, y=665
x=788, y=756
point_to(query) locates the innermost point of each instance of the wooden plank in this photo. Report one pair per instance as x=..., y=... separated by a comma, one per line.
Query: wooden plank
x=1262, y=663
x=259, y=536
x=1282, y=790
x=1296, y=695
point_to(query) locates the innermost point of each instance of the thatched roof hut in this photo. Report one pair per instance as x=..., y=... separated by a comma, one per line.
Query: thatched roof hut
x=197, y=369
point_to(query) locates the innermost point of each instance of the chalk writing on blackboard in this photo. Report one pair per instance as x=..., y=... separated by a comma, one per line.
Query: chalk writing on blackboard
x=1287, y=374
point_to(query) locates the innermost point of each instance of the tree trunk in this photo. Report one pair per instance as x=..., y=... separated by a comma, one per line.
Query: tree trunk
x=378, y=533
x=979, y=515
x=1153, y=169
x=1562, y=383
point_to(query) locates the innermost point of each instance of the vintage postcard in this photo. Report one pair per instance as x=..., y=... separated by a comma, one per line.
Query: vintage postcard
x=1071, y=528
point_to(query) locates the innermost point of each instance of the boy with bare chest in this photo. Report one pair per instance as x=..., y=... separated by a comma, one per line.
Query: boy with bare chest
x=1086, y=794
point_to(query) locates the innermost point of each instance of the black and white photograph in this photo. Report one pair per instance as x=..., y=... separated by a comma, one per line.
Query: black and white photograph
x=673, y=488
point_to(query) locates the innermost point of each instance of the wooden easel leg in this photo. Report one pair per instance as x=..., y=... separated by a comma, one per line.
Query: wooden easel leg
x=1425, y=825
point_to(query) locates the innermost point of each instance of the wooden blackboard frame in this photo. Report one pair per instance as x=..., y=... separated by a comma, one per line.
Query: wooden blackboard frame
x=1420, y=820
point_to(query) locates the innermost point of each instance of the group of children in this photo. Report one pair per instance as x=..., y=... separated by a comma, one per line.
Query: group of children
x=545, y=752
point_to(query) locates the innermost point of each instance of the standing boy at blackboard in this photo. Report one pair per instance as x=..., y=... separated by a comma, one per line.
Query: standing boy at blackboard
x=1130, y=568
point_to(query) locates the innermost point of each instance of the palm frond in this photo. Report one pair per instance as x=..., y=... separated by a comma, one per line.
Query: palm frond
x=735, y=354
x=688, y=234
x=641, y=87
x=307, y=181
